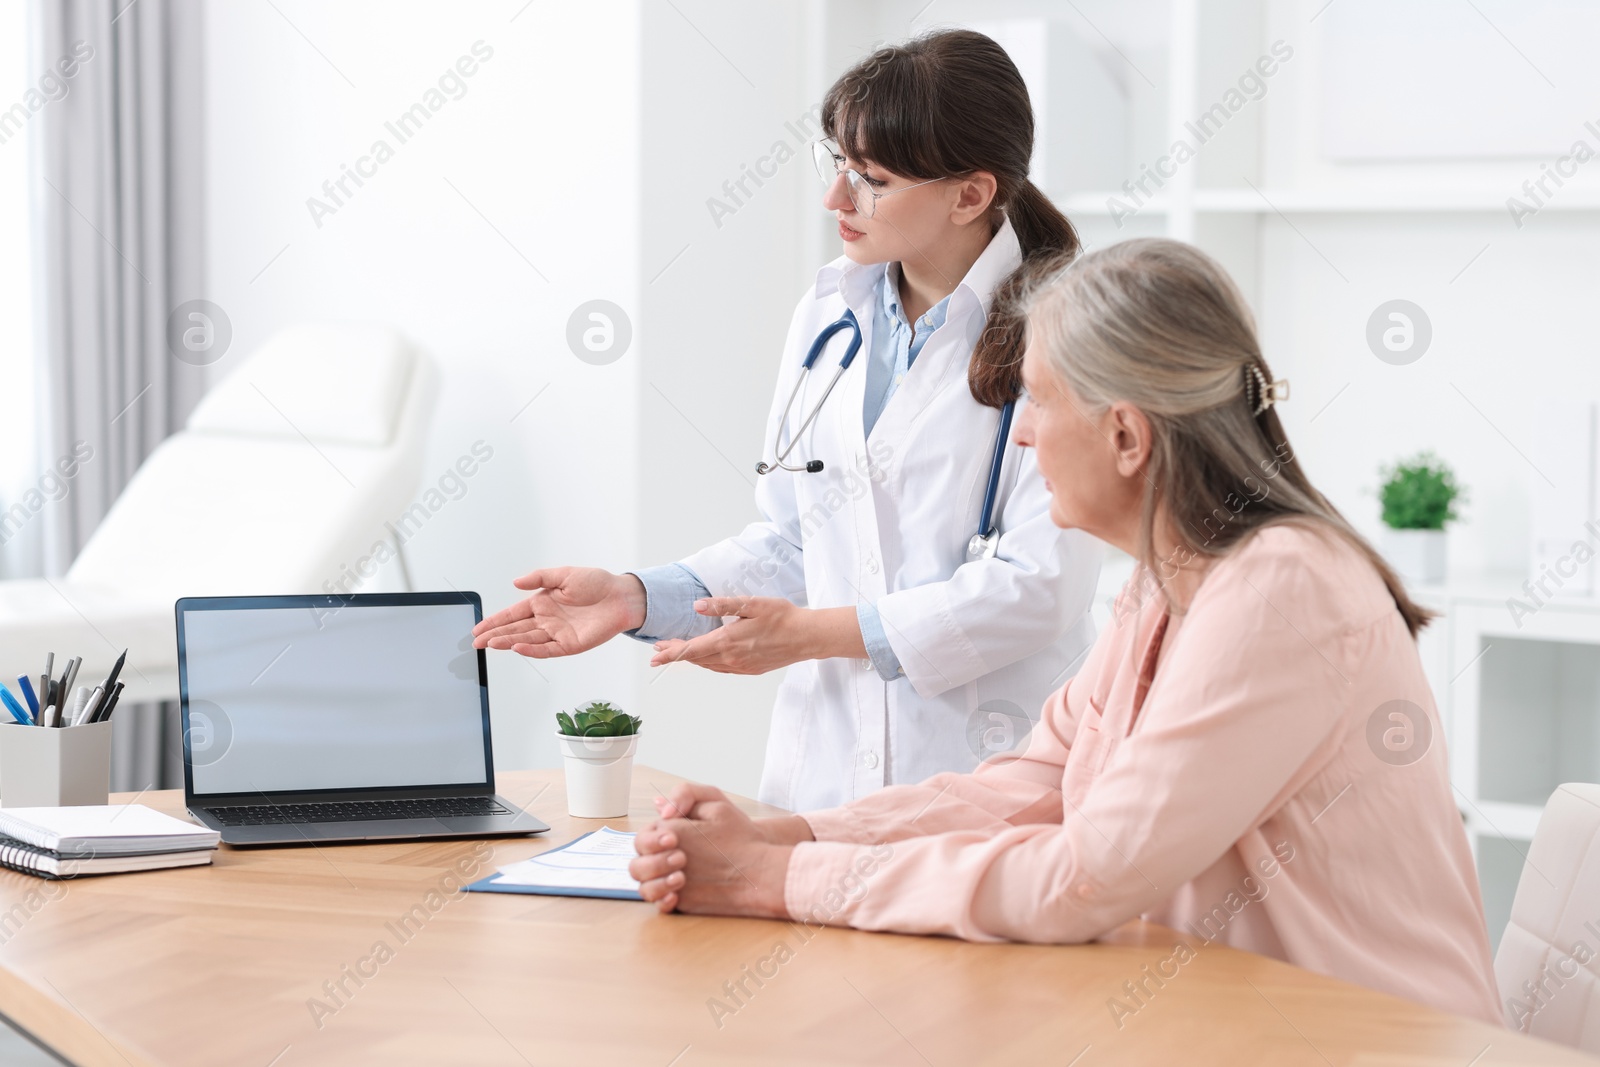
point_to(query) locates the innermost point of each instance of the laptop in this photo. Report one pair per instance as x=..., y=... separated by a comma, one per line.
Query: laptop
x=361, y=717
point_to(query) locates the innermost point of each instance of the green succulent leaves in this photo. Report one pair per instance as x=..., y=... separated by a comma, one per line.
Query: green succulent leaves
x=1420, y=493
x=598, y=719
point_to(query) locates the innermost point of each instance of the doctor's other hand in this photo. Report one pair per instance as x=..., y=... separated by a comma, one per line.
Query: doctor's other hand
x=572, y=610
x=717, y=862
x=763, y=633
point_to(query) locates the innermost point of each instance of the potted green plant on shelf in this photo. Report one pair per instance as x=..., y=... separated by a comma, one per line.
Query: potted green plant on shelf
x=1419, y=497
x=597, y=745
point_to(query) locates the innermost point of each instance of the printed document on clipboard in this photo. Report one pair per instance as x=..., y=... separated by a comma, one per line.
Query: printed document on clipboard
x=594, y=865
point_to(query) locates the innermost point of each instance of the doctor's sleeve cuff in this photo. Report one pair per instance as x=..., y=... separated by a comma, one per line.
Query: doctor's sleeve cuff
x=669, y=595
x=884, y=661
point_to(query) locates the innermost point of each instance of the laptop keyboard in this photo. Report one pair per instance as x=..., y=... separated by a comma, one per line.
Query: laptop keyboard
x=358, y=811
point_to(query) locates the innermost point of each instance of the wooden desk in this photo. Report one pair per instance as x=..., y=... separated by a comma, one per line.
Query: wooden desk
x=223, y=966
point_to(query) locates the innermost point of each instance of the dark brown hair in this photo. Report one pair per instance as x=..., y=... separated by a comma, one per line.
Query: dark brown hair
x=948, y=104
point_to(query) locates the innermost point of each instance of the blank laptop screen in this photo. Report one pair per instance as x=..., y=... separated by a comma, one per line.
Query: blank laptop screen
x=313, y=698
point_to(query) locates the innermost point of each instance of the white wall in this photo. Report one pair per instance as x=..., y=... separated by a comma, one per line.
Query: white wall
x=725, y=101
x=591, y=140
x=545, y=143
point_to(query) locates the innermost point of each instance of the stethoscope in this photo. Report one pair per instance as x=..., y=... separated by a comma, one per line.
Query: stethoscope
x=985, y=543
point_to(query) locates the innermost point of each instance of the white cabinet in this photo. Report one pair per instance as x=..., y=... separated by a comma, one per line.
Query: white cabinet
x=1523, y=714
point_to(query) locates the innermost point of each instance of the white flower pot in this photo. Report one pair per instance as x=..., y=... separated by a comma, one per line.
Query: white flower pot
x=599, y=774
x=1418, y=555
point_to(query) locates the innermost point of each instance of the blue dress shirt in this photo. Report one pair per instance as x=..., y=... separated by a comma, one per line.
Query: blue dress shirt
x=671, y=590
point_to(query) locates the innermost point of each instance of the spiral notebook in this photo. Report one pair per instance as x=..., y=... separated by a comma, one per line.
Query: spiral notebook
x=30, y=859
x=594, y=865
x=66, y=842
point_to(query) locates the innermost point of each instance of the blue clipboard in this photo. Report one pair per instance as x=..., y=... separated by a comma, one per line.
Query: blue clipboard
x=492, y=884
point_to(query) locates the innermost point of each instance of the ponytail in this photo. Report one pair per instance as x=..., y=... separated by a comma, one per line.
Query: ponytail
x=1047, y=239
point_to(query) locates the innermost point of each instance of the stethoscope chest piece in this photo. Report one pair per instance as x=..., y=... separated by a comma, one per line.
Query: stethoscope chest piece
x=986, y=542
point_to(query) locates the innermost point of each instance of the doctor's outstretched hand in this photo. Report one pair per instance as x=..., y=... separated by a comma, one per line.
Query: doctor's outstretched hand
x=763, y=633
x=572, y=610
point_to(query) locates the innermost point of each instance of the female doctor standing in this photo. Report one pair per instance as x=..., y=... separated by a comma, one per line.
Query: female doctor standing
x=906, y=571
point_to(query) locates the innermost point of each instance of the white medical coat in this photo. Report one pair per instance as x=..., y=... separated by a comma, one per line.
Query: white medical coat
x=887, y=521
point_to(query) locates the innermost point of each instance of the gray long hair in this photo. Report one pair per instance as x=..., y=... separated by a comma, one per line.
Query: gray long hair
x=1159, y=324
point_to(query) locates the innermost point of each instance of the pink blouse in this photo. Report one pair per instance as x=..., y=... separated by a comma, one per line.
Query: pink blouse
x=1267, y=771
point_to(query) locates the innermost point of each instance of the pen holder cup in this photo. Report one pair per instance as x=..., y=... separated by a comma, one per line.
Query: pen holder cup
x=44, y=766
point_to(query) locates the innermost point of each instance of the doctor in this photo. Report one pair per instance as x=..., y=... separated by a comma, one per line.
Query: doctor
x=906, y=571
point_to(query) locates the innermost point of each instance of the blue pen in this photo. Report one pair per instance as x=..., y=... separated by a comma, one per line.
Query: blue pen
x=13, y=707
x=27, y=691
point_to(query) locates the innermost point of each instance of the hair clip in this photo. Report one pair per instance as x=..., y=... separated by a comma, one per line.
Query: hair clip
x=1267, y=393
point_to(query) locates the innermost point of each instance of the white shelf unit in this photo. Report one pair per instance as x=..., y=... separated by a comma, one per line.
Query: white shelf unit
x=1229, y=194
x=1523, y=715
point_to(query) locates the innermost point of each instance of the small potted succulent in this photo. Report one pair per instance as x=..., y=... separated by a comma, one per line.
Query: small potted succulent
x=597, y=745
x=1419, y=498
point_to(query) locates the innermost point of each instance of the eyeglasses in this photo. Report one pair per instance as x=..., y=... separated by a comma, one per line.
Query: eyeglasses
x=830, y=165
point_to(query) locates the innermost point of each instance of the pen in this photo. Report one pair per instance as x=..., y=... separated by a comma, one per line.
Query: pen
x=50, y=716
x=90, y=706
x=99, y=706
x=68, y=676
x=28, y=694
x=110, y=704
x=17, y=711
x=45, y=689
x=116, y=669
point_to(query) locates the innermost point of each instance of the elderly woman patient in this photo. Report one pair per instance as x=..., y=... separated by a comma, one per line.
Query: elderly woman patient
x=1250, y=753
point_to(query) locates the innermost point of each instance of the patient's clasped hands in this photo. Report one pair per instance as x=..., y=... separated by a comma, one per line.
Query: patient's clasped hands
x=706, y=856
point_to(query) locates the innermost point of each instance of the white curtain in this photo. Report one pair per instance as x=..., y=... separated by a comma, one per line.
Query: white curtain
x=120, y=209
x=19, y=467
